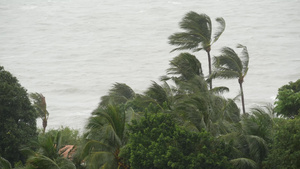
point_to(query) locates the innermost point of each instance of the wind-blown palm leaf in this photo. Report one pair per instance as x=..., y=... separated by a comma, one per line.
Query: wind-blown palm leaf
x=243, y=163
x=198, y=32
x=186, y=66
x=220, y=29
x=229, y=60
x=4, y=164
x=245, y=58
x=220, y=90
x=158, y=93
x=119, y=94
x=197, y=35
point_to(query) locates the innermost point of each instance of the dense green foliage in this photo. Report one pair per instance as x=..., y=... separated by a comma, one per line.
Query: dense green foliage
x=157, y=142
x=285, y=151
x=17, y=118
x=288, y=100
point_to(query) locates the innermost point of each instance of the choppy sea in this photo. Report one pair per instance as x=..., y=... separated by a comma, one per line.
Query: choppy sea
x=72, y=51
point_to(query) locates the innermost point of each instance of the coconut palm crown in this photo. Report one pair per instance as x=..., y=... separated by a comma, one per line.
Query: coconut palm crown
x=229, y=65
x=197, y=35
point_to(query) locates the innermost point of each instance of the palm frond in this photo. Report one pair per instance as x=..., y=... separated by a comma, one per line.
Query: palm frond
x=42, y=162
x=5, y=164
x=243, y=163
x=220, y=29
x=158, y=93
x=118, y=94
x=200, y=24
x=224, y=73
x=229, y=59
x=220, y=90
x=197, y=33
x=185, y=41
x=186, y=66
x=244, y=58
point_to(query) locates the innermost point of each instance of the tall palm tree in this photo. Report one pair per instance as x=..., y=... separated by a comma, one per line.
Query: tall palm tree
x=197, y=35
x=229, y=65
x=39, y=103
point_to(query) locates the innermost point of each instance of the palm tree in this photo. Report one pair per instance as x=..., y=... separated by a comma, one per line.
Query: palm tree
x=229, y=65
x=106, y=135
x=197, y=35
x=39, y=103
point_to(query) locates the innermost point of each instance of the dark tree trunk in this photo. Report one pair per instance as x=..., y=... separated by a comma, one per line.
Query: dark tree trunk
x=44, y=125
x=209, y=68
x=242, y=95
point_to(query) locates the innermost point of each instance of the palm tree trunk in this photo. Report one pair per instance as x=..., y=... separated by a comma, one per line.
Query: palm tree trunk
x=209, y=68
x=242, y=95
x=44, y=125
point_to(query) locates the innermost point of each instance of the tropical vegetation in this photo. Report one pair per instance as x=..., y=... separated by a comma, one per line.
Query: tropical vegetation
x=178, y=122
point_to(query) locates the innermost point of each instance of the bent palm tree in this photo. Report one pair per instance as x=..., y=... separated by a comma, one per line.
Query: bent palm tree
x=106, y=135
x=229, y=65
x=39, y=104
x=197, y=35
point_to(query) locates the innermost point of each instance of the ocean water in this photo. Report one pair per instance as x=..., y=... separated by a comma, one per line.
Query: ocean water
x=73, y=51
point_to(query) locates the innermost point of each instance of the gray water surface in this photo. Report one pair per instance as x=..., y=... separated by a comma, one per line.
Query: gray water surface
x=72, y=51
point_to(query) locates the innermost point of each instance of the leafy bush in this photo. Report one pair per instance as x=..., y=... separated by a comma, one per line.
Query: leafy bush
x=288, y=100
x=157, y=142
